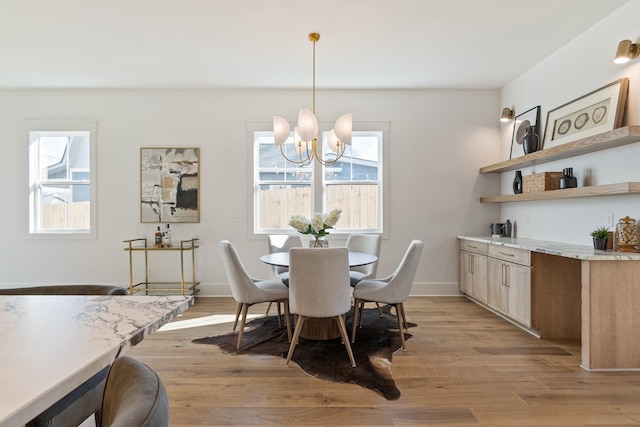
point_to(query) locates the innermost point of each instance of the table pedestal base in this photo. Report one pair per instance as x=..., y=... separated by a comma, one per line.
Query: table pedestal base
x=324, y=328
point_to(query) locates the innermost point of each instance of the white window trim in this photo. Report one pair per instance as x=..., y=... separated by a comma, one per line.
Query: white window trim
x=317, y=184
x=64, y=126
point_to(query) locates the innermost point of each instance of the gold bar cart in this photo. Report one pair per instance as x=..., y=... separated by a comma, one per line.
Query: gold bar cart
x=146, y=286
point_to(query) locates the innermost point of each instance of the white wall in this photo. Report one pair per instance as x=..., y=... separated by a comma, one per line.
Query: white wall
x=438, y=140
x=580, y=67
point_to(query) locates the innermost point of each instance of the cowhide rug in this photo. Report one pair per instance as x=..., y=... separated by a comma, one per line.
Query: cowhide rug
x=328, y=360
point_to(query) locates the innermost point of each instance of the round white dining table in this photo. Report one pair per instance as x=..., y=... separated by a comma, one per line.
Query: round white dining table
x=281, y=259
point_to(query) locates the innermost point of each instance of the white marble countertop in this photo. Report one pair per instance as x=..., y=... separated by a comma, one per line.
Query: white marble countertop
x=569, y=250
x=49, y=345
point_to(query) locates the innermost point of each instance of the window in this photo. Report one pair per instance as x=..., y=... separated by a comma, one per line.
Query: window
x=353, y=184
x=61, y=179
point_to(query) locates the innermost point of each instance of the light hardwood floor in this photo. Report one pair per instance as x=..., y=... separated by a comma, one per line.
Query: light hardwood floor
x=464, y=366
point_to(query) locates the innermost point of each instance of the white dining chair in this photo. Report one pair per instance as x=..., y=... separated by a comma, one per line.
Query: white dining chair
x=247, y=290
x=319, y=288
x=283, y=243
x=393, y=290
x=369, y=244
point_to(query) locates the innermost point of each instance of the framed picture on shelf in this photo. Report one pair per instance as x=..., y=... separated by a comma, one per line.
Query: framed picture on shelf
x=596, y=112
x=522, y=123
x=170, y=184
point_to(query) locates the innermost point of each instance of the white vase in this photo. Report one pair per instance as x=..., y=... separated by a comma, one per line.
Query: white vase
x=318, y=243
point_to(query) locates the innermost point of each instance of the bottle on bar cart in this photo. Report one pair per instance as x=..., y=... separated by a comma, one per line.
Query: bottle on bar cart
x=166, y=237
x=158, y=238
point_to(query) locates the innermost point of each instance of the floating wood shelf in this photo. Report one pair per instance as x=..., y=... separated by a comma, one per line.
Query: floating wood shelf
x=617, y=189
x=615, y=138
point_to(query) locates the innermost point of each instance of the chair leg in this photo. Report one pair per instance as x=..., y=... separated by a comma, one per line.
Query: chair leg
x=287, y=319
x=399, y=316
x=235, y=324
x=296, y=335
x=354, y=325
x=379, y=309
x=245, y=308
x=343, y=332
x=404, y=317
x=279, y=315
x=268, y=308
x=361, y=310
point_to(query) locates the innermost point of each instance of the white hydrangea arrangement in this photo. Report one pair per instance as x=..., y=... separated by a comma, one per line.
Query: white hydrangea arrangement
x=318, y=225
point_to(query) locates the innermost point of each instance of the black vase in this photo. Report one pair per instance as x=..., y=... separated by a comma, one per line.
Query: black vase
x=568, y=180
x=517, y=183
x=507, y=229
x=530, y=140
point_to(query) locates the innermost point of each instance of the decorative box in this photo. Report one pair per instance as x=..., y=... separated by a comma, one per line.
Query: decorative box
x=543, y=181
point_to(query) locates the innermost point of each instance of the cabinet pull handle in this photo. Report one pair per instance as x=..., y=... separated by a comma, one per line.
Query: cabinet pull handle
x=506, y=254
x=506, y=275
x=471, y=263
x=473, y=246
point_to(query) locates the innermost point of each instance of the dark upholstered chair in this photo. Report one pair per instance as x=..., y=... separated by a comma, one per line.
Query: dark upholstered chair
x=134, y=396
x=66, y=290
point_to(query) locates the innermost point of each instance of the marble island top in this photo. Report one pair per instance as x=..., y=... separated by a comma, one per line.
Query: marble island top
x=52, y=344
x=569, y=250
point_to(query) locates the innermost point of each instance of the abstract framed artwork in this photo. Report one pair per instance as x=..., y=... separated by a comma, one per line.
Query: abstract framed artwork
x=596, y=112
x=170, y=184
x=522, y=122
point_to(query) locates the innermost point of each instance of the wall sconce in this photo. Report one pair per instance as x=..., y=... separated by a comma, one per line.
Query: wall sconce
x=626, y=51
x=507, y=115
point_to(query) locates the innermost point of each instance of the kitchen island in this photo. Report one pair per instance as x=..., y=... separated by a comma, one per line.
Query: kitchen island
x=566, y=292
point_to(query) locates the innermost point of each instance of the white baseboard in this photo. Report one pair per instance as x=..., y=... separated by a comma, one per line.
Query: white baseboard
x=418, y=289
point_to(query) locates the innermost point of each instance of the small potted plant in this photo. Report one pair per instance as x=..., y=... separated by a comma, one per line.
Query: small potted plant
x=600, y=237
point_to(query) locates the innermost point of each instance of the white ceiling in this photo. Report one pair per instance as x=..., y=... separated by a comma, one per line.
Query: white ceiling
x=263, y=43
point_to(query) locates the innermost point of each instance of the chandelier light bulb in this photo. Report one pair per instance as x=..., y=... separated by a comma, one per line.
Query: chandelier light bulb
x=307, y=125
x=343, y=128
x=281, y=129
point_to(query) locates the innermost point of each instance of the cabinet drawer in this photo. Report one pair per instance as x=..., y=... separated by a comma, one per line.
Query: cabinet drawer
x=475, y=247
x=516, y=256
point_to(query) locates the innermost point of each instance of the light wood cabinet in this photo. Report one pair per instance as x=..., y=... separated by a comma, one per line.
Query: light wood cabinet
x=509, y=283
x=473, y=269
x=562, y=291
x=498, y=276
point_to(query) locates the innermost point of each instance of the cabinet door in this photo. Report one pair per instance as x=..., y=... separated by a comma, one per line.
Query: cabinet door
x=510, y=290
x=519, y=284
x=466, y=272
x=479, y=284
x=498, y=292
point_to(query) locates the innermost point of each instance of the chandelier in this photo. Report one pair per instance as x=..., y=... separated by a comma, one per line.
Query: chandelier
x=305, y=134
